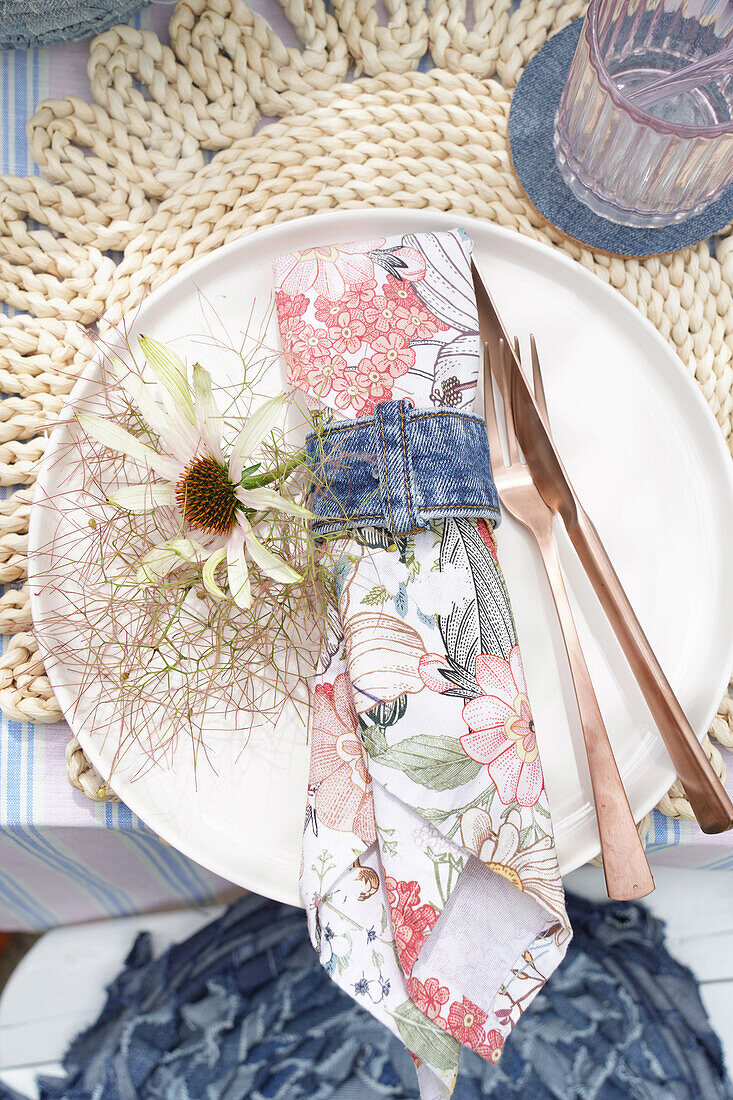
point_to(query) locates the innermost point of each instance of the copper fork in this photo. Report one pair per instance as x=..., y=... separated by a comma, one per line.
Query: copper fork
x=624, y=861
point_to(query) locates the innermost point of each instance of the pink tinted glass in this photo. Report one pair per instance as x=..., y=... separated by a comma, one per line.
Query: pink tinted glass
x=665, y=164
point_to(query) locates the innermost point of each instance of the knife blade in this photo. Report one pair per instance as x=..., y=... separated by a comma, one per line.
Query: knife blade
x=707, y=796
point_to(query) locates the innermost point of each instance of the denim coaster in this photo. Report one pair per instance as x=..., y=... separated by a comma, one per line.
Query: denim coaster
x=531, y=129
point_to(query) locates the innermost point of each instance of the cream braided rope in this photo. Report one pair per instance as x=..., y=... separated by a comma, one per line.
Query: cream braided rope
x=129, y=173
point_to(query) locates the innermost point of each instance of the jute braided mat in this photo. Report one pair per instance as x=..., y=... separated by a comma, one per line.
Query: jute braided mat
x=129, y=173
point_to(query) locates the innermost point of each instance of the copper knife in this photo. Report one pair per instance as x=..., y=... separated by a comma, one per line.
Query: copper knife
x=707, y=795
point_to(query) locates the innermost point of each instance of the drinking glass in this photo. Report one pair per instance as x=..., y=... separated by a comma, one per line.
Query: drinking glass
x=656, y=166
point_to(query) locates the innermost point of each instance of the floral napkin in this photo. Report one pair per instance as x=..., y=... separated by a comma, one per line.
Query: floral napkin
x=429, y=870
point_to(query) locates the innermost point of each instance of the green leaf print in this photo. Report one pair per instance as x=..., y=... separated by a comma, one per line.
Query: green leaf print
x=439, y=817
x=411, y=560
x=374, y=741
x=425, y=1039
x=376, y=596
x=436, y=762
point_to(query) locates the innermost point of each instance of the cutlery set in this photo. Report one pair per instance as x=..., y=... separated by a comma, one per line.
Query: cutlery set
x=533, y=487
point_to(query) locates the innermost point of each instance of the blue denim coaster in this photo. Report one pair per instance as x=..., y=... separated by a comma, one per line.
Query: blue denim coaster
x=531, y=129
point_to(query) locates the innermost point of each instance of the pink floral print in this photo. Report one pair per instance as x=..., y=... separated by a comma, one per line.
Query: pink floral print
x=400, y=292
x=465, y=1022
x=349, y=394
x=392, y=354
x=358, y=297
x=429, y=996
x=416, y=323
x=373, y=382
x=311, y=343
x=387, y=319
x=343, y=792
x=488, y=537
x=412, y=921
x=327, y=311
x=357, y=301
x=328, y=270
x=490, y=1049
x=290, y=307
x=430, y=670
x=413, y=261
x=346, y=332
x=291, y=327
x=383, y=315
x=501, y=729
x=321, y=374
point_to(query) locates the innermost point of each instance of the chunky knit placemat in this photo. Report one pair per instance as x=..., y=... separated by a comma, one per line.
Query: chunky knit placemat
x=129, y=173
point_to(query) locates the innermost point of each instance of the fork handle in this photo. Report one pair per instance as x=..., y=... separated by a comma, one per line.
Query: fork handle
x=708, y=797
x=624, y=862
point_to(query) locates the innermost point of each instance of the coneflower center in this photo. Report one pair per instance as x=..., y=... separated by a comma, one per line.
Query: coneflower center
x=206, y=496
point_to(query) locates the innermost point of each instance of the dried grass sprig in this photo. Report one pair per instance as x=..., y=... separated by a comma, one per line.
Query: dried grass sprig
x=167, y=647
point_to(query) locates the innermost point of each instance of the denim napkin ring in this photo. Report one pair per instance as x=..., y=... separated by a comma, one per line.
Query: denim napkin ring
x=400, y=469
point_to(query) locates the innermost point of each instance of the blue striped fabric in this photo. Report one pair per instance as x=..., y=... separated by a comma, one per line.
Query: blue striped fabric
x=62, y=857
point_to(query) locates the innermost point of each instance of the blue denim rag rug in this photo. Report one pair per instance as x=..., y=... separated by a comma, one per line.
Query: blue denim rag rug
x=244, y=1010
x=27, y=23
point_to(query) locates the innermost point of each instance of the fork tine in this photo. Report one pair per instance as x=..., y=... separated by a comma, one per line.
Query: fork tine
x=506, y=392
x=539, y=386
x=492, y=427
x=517, y=349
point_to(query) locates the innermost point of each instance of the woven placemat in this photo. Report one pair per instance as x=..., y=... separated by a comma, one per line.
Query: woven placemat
x=129, y=173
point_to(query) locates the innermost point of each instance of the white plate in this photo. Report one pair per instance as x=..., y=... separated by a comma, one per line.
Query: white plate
x=647, y=459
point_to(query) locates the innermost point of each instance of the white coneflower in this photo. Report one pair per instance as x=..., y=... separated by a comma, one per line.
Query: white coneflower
x=216, y=495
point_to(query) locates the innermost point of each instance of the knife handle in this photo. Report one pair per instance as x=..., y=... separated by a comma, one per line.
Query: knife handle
x=625, y=866
x=707, y=795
